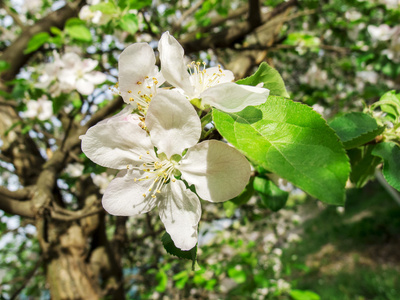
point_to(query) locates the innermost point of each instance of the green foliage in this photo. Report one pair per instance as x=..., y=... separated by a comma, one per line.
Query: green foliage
x=390, y=153
x=37, y=41
x=78, y=30
x=173, y=250
x=4, y=65
x=129, y=23
x=303, y=295
x=105, y=7
x=293, y=141
x=356, y=129
x=363, y=165
x=271, y=196
x=270, y=77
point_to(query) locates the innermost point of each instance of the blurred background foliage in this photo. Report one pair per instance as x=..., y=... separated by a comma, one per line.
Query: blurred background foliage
x=334, y=55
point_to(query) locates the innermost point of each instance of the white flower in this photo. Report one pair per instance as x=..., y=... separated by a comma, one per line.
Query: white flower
x=41, y=108
x=148, y=178
x=74, y=170
x=138, y=77
x=213, y=86
x=78, y=74
x=382, y=32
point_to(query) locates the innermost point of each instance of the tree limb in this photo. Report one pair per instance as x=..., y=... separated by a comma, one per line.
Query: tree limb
x=15, y=207
x=22, y=194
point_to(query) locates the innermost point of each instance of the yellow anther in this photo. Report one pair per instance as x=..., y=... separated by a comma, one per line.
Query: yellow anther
x=147, y=177
x=139, y=92
x=147, y=77
x=154, y=196
x=158, y=191
x=173, y=179
x=149, y=87
x=149, y=189
x=135, y=179
x=148, y=152
x=140, y=157
x=131, y=99
x=144, y=165
x=198, y=63
x=144, y=195
x=129, y=91
x=139, y=83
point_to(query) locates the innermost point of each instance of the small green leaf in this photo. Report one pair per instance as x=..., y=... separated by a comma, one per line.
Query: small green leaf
x=231, y=205
x=162, y=279
x=271, y=195
x=356, y=129
x=36, y=42
x=237, y=274
x=77, y=30
x=105, y=7
x=4, y=65
x=173, y=250
x=303, y=295
x=270, y=77
x=129, y=23
x=363, y=165
x=55, y=30
x=390, y=153
x=293, y=141
x=390, y=104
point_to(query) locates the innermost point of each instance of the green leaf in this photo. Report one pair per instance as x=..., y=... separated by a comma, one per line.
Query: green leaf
x=105, y=7
x=363, y=165
x=293, y=141
x=270, y=77
x=36, y=42
x=356, y=129
x=303, y=295
x=77, y=30
x=237, y=274
x=390, y=104
x=129, y=23
x=4, y=65
x=390, y=153
x=271, y=195
x=173, y=250
x=231, y=205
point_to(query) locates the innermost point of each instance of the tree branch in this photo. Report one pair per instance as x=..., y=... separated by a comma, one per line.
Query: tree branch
x=22, y=194
x=15, y=207
x=254, y=17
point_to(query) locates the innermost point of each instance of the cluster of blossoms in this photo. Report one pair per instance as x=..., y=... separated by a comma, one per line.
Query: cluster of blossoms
x=70, y=72
x=154, y=140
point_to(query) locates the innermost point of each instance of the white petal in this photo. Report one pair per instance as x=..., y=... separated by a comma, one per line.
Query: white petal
x=84, y=87
x=172, y=63
x=67, y=76
x=224, y=75
x=173, y=122
x=218, y=171
x=232, y=97
x=95, y=77
x=124, y=196
x=117, y=144
x=180, y=211
x=124, y=115
x=135, y=63
x=89, y=64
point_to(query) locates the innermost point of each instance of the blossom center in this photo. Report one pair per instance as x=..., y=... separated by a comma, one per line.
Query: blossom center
x=159, y=172
x=202, y=78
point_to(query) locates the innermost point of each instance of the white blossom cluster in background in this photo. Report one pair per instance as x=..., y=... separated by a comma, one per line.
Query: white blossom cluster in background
x=153, y=142
x=388, y=34
x=68, y=73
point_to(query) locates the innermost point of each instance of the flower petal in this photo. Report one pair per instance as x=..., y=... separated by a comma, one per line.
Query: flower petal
x=124, y=196
x=232, y=97
x=117, y=144
x=95, y=77
x=218, y=171
x=173, y=122
x=172, y=63
x=180, y=211
x=84, y=87
x=135, y=63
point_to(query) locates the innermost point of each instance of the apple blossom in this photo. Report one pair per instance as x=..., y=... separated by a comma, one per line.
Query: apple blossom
x=41, y=108
x=138, y=77
x=150, y=177
x=212, y=86
x=78, y=74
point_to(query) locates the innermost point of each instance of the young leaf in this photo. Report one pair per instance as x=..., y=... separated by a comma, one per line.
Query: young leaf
x=270, y=77
x=356, y=129
x=105, y=7
x=363, y=165
x=271, y=195
x=293, y=141
x=390, y=104
x=77, y=30
x=173, y=250
x=4, y=65
x=390, y=153
x=36, y=42
x=129, y=23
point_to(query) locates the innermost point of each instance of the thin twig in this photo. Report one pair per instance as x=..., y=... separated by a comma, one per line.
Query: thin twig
x=79, y=215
